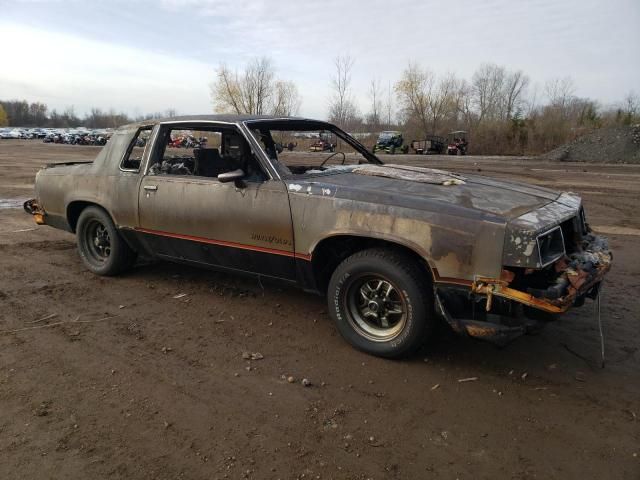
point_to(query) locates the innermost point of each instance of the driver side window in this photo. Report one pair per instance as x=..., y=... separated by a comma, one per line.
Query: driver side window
x=204, y=151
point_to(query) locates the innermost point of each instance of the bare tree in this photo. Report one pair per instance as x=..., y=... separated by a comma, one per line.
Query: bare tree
x=514, y=85
x=247, y=93
x=258, y=81
x=425, y=99
x=286, y=99
x=560, y=91
x=414, y=90
x=255, y=91
x=463, y=102
x=375, y=95
x=441, y=100
x=630, y=107
x=347, y=116
x=38, y=113
x=487, y=87
x=342, y=108
x=388, y=105
x=532, y=101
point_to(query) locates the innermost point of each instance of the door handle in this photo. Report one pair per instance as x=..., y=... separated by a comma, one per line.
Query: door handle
x=151, y=187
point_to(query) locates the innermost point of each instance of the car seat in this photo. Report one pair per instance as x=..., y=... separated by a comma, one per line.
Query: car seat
x=209, y=163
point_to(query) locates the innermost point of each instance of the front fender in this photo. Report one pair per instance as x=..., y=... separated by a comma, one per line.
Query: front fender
x=454, y=247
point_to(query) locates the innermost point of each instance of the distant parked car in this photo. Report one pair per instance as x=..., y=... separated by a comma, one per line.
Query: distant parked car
x=14, y=134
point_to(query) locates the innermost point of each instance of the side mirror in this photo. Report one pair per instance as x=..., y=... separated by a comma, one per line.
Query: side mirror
x=233, y=176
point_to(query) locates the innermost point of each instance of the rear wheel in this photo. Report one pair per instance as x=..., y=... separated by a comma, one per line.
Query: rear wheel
x=382, y=302
x=101, y=248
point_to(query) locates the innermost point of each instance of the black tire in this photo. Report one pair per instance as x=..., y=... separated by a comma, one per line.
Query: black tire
x=364, y=326
x=101, y=247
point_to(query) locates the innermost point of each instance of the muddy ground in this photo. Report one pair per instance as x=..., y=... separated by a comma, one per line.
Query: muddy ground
x=133, y=383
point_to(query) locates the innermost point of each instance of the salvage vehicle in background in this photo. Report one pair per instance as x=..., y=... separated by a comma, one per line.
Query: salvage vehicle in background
x=324, y=143
x=431, y=144
x=458, y=143
x=394, y=248
x=390, y=142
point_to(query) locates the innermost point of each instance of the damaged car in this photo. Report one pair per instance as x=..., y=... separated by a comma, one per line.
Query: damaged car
x=395, y=248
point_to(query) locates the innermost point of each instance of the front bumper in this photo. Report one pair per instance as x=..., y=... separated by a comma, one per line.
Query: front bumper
x=577, y=275
x=568, y=282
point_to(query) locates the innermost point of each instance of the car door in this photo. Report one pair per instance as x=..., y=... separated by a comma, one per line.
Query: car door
x=202, y=220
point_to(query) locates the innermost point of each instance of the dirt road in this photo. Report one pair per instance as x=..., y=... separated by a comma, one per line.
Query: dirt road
x=127, y=378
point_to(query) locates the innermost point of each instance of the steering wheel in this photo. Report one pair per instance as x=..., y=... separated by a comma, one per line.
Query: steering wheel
x=344, y=158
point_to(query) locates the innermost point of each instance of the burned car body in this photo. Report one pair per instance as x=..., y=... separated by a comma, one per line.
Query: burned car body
x=392, y=246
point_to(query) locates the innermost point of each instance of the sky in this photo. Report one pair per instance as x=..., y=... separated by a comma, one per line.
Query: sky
x=149, y=56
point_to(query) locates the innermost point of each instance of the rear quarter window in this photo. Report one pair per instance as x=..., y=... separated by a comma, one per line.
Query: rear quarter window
x=132, y=158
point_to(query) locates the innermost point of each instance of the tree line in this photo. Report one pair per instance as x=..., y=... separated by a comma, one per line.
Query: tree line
x=20, y=113
x=500, y=108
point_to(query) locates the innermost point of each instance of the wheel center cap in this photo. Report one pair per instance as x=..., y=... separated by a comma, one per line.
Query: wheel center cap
x=373, y=306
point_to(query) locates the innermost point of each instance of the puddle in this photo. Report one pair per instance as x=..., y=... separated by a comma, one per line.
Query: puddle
x=12, y=202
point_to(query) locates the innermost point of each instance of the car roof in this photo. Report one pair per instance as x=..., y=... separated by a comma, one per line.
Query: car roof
x=226, y=118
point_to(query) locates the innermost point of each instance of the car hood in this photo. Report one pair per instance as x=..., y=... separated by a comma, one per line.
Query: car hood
x=474, y=193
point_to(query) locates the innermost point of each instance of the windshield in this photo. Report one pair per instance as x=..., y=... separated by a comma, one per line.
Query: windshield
x=305, y=147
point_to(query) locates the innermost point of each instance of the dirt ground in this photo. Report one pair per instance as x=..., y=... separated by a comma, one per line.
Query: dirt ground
x=138, y=384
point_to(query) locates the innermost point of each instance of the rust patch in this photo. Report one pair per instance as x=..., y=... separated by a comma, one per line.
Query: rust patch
x=493, y=286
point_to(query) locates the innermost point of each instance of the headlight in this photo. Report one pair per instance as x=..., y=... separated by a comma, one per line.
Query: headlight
x=550, y=246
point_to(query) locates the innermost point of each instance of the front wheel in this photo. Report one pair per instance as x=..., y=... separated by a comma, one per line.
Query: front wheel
x=102, y=249
x=381, y=302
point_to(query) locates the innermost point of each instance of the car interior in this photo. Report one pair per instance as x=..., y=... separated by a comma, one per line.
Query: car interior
x=205, y=152
x=307, y=147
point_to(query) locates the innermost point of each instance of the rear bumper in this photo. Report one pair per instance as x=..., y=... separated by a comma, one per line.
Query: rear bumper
x=32, y=207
